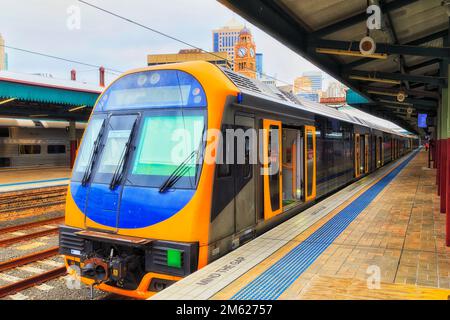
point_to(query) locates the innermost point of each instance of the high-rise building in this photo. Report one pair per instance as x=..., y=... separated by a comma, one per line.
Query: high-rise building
x=2, y=54
x=316, y=79
x=302, y=85
x=218, y=58
x=245, y=54
x=225, y=38
x=259, y=65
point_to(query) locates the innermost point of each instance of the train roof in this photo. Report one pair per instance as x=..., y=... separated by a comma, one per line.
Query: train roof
x=259, y=89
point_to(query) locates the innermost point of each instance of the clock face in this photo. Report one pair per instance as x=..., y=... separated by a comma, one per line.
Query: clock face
x=252, y=52
x=242, y=52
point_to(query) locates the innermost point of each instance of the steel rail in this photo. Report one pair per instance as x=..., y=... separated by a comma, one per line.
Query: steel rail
x=10, y=241
x=31, y=282
x=31, y=225
x=17, y=262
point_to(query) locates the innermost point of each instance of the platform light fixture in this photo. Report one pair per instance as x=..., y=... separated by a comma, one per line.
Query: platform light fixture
x=7, y=100
x=77, y=108
x=388, y=81
x=337, y=52
x=38, y=115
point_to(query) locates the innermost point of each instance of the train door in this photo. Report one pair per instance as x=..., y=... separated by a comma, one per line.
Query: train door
x=357, y=149
x=392, y=149
x=373, y=152
x=292, y=166
x=245, y=181
x=379, y=151
x=272, y=169
x=310, y=163
x=366, y=153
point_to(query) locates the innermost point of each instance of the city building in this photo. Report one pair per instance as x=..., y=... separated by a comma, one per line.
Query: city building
x=335, y=90
x=316, y=79
x=268, y=81
x=218, y=58
x=311, y=96
x=226, y=37
x=259, y=65
x=245, y=54
x=3, y=59
x=302, y=84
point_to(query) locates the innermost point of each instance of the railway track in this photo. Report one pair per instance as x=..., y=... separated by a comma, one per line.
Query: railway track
x=32, y=199
x=18, y=262
x=13, y=288
x=30, y=225
x=9, y=241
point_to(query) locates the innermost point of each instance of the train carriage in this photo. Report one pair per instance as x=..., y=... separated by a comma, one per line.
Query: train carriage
x=139, y=218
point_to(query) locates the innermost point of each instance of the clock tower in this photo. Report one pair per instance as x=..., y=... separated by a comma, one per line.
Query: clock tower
x=245, y=54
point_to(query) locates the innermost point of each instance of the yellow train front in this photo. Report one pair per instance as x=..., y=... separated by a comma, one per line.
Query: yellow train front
x=134, y=223
x=148, y=201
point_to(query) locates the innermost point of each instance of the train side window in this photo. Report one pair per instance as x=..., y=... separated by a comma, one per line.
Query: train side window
x=4, y=132
x=223, y=168
x=5, y=162
x=29, y=149
x=56, y=149
x=247, y=165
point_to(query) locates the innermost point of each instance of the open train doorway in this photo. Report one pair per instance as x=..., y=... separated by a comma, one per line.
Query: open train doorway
x=292, y=169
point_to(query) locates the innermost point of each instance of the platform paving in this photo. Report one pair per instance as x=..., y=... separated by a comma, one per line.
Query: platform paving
x=31, y=178
x=399, y=236
x=394, y=249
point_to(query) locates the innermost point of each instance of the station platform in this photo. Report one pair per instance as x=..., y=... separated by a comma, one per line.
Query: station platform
x=12, y=180
x=382, y=237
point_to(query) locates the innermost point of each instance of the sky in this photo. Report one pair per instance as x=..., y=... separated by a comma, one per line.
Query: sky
x=52, y=27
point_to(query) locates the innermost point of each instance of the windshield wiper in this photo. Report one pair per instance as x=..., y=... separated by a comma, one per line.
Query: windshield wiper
x=120, y=170
x=176, y=175
x=93, y=157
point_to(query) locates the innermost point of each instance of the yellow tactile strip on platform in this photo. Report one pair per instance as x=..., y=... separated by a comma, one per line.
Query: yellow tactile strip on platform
x=333, y=288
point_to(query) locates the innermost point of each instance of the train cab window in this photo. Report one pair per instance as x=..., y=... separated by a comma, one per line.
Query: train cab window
x=29, y=149
x=167, y=141
x=56, y=149
x=87, y=146
x=4, y=132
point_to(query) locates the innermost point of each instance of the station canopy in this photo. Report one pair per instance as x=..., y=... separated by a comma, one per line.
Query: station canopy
x=35, y=96
x=411, y=47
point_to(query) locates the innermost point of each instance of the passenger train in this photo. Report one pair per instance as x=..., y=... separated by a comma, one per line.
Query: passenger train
x=137, y=221
x=35, y=143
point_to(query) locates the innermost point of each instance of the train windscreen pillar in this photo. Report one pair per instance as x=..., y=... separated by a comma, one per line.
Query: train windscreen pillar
x=73, y=142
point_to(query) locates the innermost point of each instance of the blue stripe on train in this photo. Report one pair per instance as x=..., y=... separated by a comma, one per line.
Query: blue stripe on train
x=139, y=207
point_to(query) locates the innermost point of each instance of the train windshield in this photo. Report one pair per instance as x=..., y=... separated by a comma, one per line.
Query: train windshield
x=167, y=141
x=89, y=140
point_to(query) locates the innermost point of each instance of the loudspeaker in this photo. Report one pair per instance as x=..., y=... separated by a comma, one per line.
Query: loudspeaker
x=367, y=46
